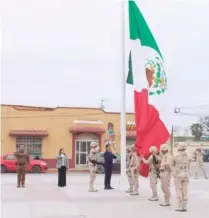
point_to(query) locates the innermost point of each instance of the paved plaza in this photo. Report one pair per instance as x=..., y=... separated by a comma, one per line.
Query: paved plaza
x=43, y=199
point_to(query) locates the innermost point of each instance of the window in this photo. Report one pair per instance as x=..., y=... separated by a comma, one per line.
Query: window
x=82, y=149
x=130, y=142
x=32, y=144
x=10, y=157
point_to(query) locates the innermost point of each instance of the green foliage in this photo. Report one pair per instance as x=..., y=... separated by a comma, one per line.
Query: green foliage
x=197, y=131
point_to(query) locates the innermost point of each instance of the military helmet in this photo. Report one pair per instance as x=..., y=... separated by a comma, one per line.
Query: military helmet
x=182, y=146
x=129, y=148
x=164, y=147
x=133, y=148
x=153, y=149
x=93, y=144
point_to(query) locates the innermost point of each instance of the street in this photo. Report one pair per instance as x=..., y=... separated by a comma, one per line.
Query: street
x=43, y=199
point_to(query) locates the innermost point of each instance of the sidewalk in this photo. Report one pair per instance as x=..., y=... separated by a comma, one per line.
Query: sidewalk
x=43, y=199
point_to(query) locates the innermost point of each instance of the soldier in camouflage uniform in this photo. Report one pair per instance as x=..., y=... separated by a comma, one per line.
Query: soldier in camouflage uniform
x=134, y=171
x=165, y=174
x=181, y=177
x=153, y=162
x=128, y=173
x=92, y=162
x=190, y=162
x=199, y=154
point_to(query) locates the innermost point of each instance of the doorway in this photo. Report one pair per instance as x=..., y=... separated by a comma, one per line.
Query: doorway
x=82, y=150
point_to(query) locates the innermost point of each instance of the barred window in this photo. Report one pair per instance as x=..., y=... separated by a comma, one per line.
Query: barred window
x=33, y=144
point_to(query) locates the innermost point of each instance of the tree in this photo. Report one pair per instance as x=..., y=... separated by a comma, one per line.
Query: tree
x=197, y=131
x=204, y=121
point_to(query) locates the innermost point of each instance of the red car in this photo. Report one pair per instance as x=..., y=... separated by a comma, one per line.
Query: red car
x=8, y=164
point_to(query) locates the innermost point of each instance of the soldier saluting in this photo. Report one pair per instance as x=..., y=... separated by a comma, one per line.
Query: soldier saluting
x=154, y=162
x=22, y=159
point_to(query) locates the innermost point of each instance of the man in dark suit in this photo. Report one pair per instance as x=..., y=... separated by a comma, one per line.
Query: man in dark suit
x=108, y=165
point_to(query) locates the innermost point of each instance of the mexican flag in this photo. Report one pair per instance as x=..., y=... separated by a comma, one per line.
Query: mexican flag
x=148, y=76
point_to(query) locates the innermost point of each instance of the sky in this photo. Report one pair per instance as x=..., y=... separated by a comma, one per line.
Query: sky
x=70, y=52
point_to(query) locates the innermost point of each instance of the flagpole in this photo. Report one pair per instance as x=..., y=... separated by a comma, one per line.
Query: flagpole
x=123, y=101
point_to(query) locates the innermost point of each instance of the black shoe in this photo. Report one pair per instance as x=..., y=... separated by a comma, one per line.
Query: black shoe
x=179, y=210
x=111, y=187
x=106, y=188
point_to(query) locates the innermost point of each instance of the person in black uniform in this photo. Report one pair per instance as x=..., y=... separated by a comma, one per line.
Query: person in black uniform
x=108, y=165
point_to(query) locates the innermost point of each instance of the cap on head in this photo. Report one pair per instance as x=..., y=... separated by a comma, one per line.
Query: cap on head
x=133, y=147
x=164, y=147
x=153, y=149
x=128, y=148
x=182, y=146
x=93, y=144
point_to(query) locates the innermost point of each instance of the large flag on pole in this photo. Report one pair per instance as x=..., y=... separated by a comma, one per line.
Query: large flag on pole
x=147, y=75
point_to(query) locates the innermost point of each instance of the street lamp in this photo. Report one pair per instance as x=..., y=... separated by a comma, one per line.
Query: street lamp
x=178, y=111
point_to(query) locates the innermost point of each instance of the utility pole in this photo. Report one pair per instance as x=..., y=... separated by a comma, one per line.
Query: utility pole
x=102, y=103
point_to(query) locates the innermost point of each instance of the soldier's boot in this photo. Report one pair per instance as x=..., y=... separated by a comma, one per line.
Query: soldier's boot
x=23, y=183
x=180, y=205
x=196, y=176
x=129, y=190
x=184, y=206
x=167, y=203
x=153, y=198
x=154, y=195
x=205, y=175
x=135, y=192
x=91, y=188
x=18, y=183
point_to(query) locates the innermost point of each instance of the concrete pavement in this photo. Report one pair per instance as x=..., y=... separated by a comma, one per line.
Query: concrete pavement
x=43, y=199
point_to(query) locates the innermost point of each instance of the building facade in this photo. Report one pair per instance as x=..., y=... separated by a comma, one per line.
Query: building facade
x=45, y=130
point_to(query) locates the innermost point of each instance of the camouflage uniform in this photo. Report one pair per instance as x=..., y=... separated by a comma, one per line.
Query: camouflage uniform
x=190, y=161
x=199, y=153
x=153, y=176
x=92, y=162
x=165, y=174
x=181, y=177
x=22, y=160
x=128, y=172
x=134, y=171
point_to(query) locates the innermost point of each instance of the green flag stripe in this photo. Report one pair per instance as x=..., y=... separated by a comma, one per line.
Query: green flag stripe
x=139, y=29
x=130, y=79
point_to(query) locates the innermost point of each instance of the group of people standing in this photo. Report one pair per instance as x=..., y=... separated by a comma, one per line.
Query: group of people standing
x=93, y=164
x=162, y=166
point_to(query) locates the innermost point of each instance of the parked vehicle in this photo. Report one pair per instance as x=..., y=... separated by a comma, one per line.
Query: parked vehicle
x=8, y=164
x=116, y=166
x=206, y=156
